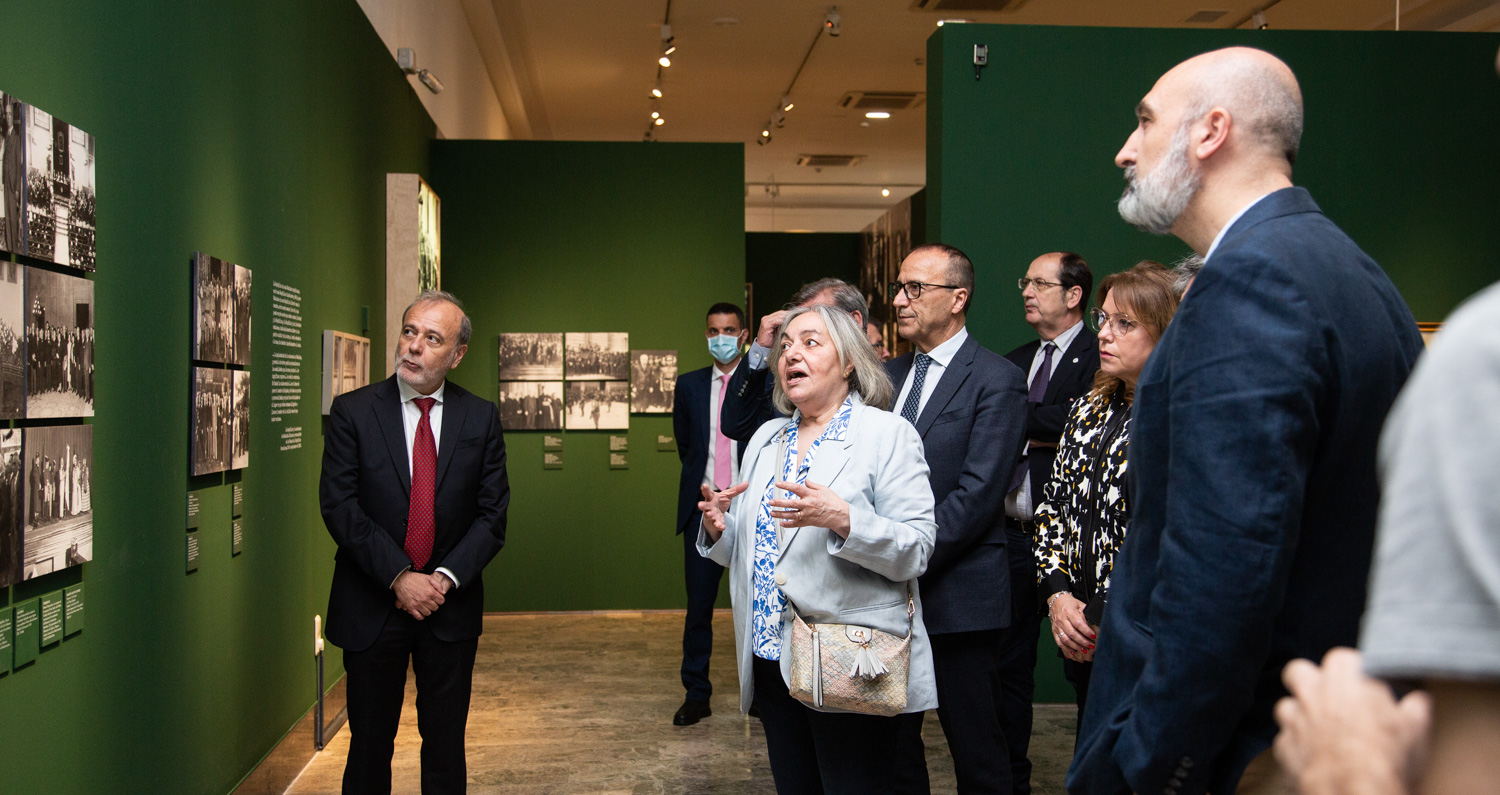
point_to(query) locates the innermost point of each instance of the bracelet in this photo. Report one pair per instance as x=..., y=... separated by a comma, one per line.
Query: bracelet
x=1053, y=598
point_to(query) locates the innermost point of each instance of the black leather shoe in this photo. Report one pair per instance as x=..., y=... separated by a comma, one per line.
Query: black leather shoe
x=691, y=712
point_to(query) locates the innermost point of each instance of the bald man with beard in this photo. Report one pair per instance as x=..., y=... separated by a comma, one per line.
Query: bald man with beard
x=1252, y=446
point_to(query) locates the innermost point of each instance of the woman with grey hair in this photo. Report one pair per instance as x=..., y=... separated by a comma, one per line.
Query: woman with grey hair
x=828, y=545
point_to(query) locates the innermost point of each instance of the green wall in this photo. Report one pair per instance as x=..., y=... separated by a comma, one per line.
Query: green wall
x=259, y=132
x=1399, y=149
x=778, y=263
x=565, y=236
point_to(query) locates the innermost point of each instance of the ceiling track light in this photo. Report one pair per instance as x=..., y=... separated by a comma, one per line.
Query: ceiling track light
x=786, y=102
x=406, y=58
x=831, y=23
x=831, y=26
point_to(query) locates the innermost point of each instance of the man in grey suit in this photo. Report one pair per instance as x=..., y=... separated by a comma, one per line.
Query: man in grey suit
x=969, y=406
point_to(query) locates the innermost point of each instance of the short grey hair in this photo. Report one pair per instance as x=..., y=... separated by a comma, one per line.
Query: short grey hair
x=868, y=378
x=465, y=326
x=1184, y=271
x=845, y=296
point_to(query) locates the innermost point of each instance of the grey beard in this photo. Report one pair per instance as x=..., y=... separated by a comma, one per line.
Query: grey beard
x=1154, y=203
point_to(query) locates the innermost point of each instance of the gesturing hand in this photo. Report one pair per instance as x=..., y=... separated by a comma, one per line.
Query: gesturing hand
x=768, y=326
x=814, y=506
x=1073, y=634
x=714, y=505
x=417, y=594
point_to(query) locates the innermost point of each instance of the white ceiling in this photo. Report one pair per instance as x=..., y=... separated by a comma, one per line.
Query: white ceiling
x=583, y=70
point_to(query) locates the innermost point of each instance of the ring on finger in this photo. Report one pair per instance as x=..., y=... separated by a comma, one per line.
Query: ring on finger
x=1062, y=636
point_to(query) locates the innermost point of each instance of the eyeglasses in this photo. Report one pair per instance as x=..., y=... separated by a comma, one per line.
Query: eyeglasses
x=1041, y=284
x=914, y=289
x=1119, y=325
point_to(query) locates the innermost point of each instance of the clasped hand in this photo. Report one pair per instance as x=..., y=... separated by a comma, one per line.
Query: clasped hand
x=420, y=594
x=1074, y=636
x=814, y=506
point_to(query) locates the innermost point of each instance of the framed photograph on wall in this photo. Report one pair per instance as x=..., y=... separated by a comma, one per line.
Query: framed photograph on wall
x=59, y=206
x=12, y=174
x=603, y=356
x=213, y=309
x=531, y=405
x=59, y=345
x=213, y=421
x=598, y=405
x=12, y=506
x=240, y=383
x=346, y=364
x=653, y=381
x=241, y=349
x=12, y=341
x=59, y=519
x=531, y=357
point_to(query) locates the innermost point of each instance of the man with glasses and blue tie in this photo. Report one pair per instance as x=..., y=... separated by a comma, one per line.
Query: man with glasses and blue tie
x=1059, y=366
x=969, y=406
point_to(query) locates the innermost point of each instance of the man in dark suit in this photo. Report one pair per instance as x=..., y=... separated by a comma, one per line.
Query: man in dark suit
x=414, y=493
x=1060, y=366
x=709, y=458
x=969, y=405
x=748, y=404
x=1252, y=448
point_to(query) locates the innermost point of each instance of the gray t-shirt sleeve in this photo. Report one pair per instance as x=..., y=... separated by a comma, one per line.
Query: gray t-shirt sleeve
x=1434, y=606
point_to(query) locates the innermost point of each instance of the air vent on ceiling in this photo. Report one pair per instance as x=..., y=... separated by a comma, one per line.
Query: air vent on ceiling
x=829, y=161
x=881, y=100
x=967, y=5
x=1204, y=17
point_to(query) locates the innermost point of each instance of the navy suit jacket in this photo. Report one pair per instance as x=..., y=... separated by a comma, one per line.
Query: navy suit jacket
x=690, y=423
x=364, y=495
x=972, y=429
x=1253, y=498
x=1072, y=379
x=748, y=404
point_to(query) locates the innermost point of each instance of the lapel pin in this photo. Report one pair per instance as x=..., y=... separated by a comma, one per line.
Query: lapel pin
x=1075, y=360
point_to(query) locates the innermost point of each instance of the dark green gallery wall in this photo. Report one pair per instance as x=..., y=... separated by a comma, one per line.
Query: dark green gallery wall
x=778, y=263
x=565, y=236
x=259, y=131
x=1399, y=149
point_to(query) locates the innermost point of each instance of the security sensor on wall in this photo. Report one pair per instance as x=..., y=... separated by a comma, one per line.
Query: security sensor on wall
x=831, y=22
x=406, y=58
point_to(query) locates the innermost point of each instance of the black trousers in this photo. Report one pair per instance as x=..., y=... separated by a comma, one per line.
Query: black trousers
x=376, y=688
x=1078, y=674
x=1018, y=653
x=702, y=576
x=818, y=753
x=970, y=706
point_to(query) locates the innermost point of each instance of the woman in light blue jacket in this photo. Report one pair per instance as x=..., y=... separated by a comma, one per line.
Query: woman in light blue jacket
x=835, y=528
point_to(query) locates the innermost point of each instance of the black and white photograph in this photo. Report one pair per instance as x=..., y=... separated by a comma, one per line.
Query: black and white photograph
x=12, y=173
x=601, y=356
x=59, y=345
x=349, y=367
x=346, y=365
x=240, y=408
x=601, y=405
x=213, y=309
x=12, y=337
x=241, y=347
x=531, y=405
x=212, y=426
x=12, y=507
x=59, y=191
x=653, y=381
x=531, y=357
x=59, y=512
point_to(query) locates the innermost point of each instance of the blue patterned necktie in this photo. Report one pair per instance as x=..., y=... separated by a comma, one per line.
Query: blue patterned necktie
x=914, y=397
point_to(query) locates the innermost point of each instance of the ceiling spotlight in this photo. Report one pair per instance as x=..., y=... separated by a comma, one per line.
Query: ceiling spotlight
x=765, y=133
x=656, y=90
x=885, y=191
x=406, y=58
x=670, y=48
x=786, y=102
x=831, y=22
x=655, y=115
x=659, y=120
x=779, y=119
x=877, y=114
x=664, y=61
x=1259, y=20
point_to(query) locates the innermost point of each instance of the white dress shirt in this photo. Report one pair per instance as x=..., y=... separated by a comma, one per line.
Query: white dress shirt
x=716, y=385
x=411, y=414
x=1018, y=503
x=941, y=356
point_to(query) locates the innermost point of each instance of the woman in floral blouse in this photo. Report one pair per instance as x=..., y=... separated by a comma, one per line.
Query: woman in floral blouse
x=1081, y=522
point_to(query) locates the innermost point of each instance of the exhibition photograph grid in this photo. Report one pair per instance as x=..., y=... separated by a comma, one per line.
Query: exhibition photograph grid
x=580, y=381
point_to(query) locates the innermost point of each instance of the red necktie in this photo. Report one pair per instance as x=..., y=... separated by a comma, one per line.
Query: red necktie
x=420, y=522
x=722, y=464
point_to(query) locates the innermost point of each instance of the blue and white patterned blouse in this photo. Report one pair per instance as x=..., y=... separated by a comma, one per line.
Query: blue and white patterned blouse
x=769, y=601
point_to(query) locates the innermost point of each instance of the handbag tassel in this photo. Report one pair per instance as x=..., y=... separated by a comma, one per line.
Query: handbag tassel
x=866, y=664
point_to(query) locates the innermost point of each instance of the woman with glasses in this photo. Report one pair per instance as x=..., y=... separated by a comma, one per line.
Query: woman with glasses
x=1081, y=521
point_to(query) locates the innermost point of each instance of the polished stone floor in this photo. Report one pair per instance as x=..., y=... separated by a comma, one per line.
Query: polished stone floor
x=572, y=704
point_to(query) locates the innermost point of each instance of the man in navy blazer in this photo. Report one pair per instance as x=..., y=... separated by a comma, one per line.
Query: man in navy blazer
x=1252, y=448
x=969, y=406
x=701, y=448
x=414, y=493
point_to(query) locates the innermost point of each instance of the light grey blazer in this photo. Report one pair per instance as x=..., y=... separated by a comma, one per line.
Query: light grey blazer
x=881, y=471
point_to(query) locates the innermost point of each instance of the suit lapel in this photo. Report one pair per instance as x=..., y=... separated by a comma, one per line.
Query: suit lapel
x=1072, y=361
x=455, y=409
x=703, y=390
x=953, y=377
x=388, y=415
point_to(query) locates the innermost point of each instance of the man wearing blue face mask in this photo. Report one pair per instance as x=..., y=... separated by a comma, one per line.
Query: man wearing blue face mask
x=709, y=458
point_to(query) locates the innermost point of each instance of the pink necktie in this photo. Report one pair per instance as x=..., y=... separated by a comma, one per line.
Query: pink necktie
x=723, y=474
x=420, y=521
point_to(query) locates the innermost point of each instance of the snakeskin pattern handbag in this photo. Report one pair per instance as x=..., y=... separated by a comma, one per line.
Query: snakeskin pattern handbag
x=852, y=668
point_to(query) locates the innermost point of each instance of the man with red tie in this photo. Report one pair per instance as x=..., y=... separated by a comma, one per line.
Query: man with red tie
x=709, y=458
x=414, y=493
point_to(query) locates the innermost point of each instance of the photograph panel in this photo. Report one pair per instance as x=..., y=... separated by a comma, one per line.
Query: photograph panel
x=76, y=245
x=429, y=239
x=40, y=218
x=213, y=309
x=598, y=405
x=653, y=381
x=531, y=405
x=241, y=407
x=12, y=174
x=12, y=338
x=241, y=345
x=59, y=515
x=12, y=507
x=212, y=426
x=531, y=357
x=59, y=345
x=597, y=356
